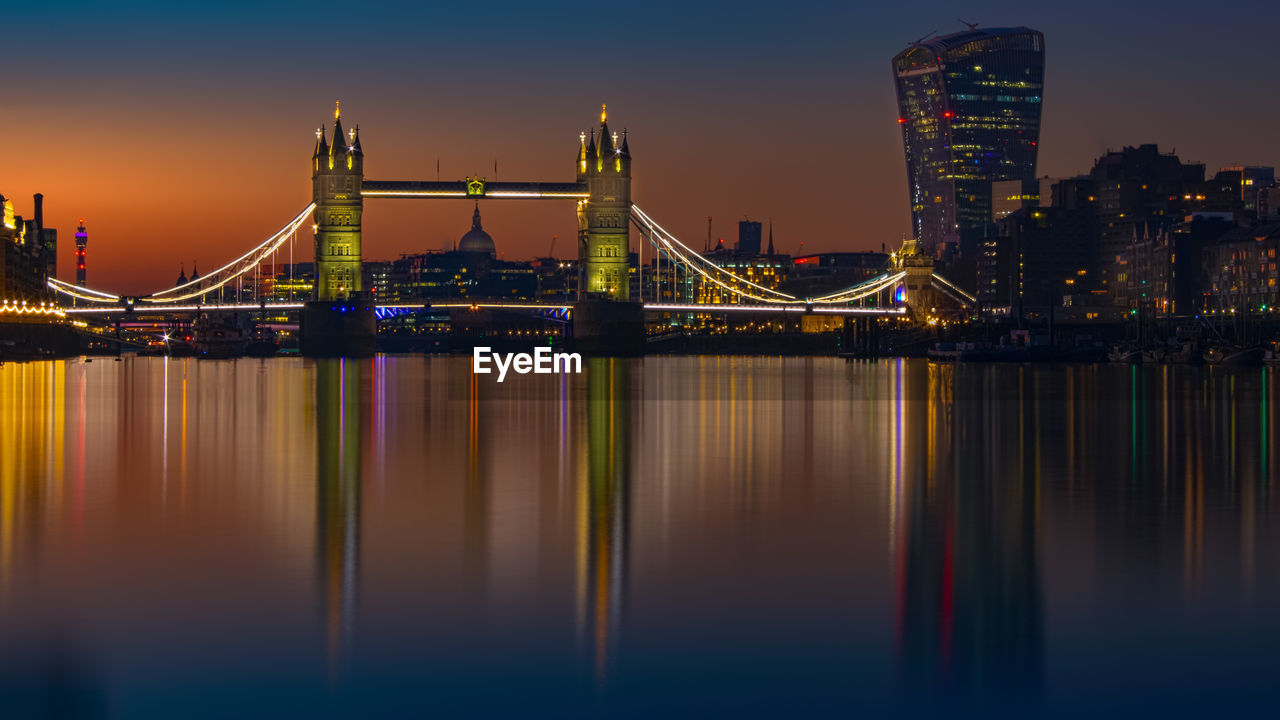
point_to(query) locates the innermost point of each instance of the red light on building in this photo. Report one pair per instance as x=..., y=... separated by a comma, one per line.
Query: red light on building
x=901, y=120
x=947, y=114
x=82, y=240
x=811, y=260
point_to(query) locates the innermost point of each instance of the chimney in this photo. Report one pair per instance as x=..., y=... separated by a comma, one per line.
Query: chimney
x=39, y=215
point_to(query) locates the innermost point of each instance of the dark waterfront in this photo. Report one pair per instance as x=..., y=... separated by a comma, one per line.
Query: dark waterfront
x=660, y=537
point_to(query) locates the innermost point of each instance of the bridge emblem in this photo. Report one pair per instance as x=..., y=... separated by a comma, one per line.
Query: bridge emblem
x=475, y=187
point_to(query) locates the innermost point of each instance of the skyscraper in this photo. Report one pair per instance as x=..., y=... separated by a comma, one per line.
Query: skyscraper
x=969, y=107
x=749, y=236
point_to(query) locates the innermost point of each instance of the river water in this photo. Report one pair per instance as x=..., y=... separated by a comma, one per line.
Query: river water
x=669, y=536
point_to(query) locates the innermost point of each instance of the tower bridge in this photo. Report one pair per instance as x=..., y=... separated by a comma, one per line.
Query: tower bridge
x=340, y=318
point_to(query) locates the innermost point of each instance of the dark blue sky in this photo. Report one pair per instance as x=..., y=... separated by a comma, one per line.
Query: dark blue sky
x=186, y=131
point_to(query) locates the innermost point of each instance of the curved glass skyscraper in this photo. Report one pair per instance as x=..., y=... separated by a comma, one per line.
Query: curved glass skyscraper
x=969, y=107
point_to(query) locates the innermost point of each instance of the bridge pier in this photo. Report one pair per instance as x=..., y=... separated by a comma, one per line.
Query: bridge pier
x=608, y=328
x=861, y=337
x=338, y=329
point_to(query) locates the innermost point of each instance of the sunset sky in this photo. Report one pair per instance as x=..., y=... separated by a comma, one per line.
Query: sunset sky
x=185, y=133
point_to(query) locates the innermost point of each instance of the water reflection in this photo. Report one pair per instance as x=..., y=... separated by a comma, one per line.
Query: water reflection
x=338, y=491
x=44, y=670
x=603, y=510
x=970, y=608
x=659, y=536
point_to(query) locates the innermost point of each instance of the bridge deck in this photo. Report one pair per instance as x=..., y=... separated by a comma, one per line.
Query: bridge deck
x=149, y=310
x=422, y=189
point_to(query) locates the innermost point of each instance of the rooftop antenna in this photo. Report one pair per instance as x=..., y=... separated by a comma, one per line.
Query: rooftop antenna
x=926, y=37
x=971, y=26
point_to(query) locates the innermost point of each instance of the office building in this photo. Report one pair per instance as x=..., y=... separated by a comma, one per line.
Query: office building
x=1269, y=203
x=1010, y=196
x=1240, y=270
x=1163, y=265
x=1038, y=255
x=1137, y=191
x=1245, y=182
x=749, y=237
x=969, y=107
x=819, y=274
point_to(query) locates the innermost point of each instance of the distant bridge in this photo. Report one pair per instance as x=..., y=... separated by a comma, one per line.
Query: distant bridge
x=564, y=310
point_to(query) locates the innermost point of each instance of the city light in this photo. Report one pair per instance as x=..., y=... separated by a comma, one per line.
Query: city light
x=22, y=307
x=978, y=432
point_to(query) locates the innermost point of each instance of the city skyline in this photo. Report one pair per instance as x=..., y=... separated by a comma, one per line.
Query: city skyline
x=137, y=98
x=912, y=361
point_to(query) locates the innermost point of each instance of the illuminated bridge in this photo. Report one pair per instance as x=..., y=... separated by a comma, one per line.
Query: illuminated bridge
x=341, y=315
x=675, y=263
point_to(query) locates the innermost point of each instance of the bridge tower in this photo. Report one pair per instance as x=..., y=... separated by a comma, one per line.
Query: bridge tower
x=605, y=321
x=919, y=293
x=604, y=218
x=339, y=320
